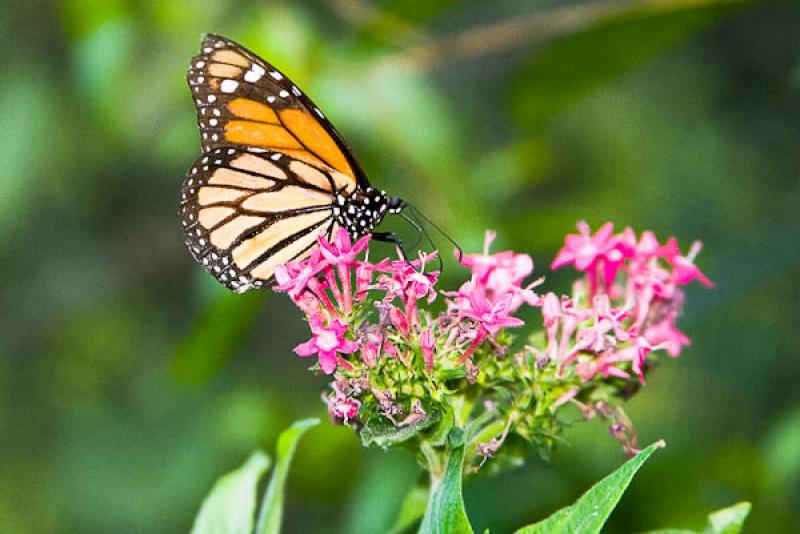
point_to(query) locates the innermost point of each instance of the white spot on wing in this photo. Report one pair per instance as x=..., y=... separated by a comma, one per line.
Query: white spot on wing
x=228, y=86
x=251, y=77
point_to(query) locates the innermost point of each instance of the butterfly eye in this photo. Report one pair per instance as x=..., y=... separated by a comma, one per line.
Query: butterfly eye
x=396, y=204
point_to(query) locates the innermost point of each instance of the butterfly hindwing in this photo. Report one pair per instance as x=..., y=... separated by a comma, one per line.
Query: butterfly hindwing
x=244, y=101
x=245, y=211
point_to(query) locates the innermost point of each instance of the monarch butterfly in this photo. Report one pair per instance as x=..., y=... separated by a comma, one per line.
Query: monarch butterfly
x=274, y=174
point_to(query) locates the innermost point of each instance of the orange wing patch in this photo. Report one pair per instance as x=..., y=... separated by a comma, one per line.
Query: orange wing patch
x=260, y=135
x=289, y=129
x=244, y=101
x=315, y=139
x=252, y=110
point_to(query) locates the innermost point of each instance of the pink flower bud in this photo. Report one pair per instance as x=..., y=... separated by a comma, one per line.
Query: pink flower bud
x=426, y=344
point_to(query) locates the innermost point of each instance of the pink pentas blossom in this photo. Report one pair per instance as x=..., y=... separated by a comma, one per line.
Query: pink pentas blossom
x=647, y=246
x=591, y=253
x=326, y=341
x=605, y=364
x=584, y=249
x=365, y=272
x=503, y=272
x=407, y=279
x=340, y=250
x=293, y=277
x=472, y=303
x=667, y=335
x=684, y=270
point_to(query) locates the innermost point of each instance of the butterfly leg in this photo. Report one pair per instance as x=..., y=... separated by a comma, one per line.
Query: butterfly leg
x=391, y=237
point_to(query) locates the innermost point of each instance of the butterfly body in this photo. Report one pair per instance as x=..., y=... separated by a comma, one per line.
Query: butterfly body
x=360, y=212
x=275, y=175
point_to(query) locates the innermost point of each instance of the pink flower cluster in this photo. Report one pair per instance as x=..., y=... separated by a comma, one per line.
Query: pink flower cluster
x=328, y=284
x=493, y=293
x=626, y=306
x=321, y=287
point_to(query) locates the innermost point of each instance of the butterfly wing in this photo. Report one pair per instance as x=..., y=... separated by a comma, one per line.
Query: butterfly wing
x=244, y=101
x=246, y=211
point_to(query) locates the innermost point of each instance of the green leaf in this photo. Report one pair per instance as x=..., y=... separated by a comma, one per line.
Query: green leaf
x=215, y=336
x=381, y=432
x=576, y=65
x=445, y=511
x=728, y=520
x=412, y=509
x=230, y=507
x=269, y=519
x=591, y=510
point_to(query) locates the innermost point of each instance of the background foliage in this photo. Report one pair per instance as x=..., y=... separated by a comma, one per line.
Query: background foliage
x=129, y=381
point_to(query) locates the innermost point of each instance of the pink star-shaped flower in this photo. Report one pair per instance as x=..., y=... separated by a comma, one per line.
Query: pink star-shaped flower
x=503, y=272
x=584, y=249
x=492, y=316
x=665, y=334
x=326, y=341
x=293, y=277
x=684, y=270
x=340, y=250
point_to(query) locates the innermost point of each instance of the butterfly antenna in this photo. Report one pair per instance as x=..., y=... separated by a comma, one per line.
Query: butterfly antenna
x=421, y=229
x=452, y=241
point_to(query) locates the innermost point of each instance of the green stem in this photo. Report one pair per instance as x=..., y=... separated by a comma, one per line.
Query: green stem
x=462, y=408
x=445, y=511
x=433, y=459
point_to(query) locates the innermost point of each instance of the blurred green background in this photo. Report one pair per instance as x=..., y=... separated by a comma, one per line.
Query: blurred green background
x=129, y=380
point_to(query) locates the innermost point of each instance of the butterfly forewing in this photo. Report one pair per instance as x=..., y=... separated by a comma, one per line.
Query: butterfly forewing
x=246, y=211
x=244, y=101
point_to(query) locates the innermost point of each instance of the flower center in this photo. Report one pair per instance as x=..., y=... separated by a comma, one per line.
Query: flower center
x=327, y=340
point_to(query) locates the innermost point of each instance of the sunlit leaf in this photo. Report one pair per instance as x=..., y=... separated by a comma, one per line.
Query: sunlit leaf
x=271, y=514
x=230, y=507
x=592, y=509
x=728, y=520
